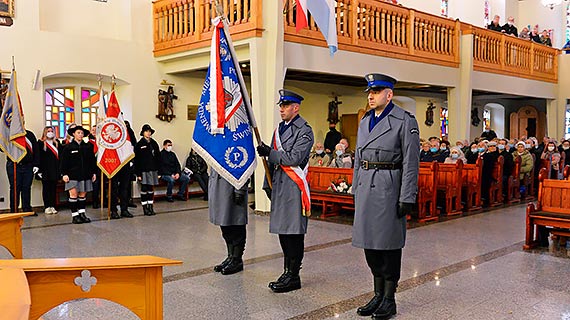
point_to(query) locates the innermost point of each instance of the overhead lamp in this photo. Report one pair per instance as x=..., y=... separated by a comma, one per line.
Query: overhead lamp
x=550, y=3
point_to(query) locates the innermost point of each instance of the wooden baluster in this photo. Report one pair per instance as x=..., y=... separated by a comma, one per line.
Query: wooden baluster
x=367, y=23
x=438, y=39
x=160, y=25
x=392, y=29
x=337, y=10
x=411, y=32
x=239, y=12
x=353, y=10
x=383, y=26
x=377, y=26
x=175, y=20
x=169, y=27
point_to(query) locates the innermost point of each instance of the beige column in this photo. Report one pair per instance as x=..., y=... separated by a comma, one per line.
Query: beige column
x=267, y=73
x=459, y=98
x=556, y=109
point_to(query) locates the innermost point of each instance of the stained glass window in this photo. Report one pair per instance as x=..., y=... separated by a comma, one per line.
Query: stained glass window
x=444, y=122
x=486, y=118
x=445, y=8
x=60, y=109
x=89, y=106
x=487, y=16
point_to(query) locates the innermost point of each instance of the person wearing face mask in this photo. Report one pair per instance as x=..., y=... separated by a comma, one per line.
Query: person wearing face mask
x=508, y=163
x=565, y=149
x=526, y=161
x=341, y=159
x=332, y=138
x=455, y=155
x=425, y=153
x=319, y=158
x=170, y=172
x=48, y=173
x=147, y=162
x=472, y=154
x=556, y=159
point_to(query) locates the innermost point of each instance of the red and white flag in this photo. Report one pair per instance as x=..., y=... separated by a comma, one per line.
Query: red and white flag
x=12, y=130
x=114, y=144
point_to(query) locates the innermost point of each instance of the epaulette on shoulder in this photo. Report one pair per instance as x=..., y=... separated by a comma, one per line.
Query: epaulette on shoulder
x=410, y=114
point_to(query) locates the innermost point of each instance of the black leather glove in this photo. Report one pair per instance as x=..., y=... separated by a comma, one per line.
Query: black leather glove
x=238, y=198
x=267, y=192
x=263, y=150
x=404, y=209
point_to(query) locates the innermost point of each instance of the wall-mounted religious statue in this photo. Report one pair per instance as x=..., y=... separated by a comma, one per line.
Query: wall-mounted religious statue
x=429, y=114
x=165, y=104
x=333, y=110
x=475, y=120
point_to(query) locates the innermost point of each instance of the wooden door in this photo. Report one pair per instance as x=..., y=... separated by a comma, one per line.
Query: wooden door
x=349, y=128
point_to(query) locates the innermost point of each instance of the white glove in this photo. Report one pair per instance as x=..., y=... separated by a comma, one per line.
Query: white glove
x=35, y=170
x=188, y=171
x=39, y=175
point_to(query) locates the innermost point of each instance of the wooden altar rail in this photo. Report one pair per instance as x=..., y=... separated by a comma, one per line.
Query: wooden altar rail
x=11, y=234
x=182, y=25
x=379, y=28
x=495, y=52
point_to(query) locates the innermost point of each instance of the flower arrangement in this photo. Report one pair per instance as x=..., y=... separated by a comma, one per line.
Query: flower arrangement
x=340, y=185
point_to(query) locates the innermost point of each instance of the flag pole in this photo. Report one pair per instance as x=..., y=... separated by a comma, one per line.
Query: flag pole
x=101, y=183
x=246, y=99
x=15, y=180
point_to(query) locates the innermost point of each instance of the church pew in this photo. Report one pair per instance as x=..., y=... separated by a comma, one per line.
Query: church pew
x=552, y=208
x=496, y=187
x=427, y=192
x=319, y=179
x=471, y=182
x=449, y=177
x=567, y=172
x=513, y=183
x=132, y=281
x=11, y=233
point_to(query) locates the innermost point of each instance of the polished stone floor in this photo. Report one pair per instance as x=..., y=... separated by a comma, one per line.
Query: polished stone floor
x=467, y=268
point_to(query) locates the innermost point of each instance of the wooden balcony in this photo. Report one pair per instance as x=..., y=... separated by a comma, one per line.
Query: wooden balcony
x=498, y=53
x=182, y=25
x=379, y=28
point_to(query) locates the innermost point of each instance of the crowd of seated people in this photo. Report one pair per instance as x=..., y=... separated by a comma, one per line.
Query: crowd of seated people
x=527, y=33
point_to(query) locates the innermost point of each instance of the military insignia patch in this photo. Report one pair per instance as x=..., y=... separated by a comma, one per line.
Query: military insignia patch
x=414, y=130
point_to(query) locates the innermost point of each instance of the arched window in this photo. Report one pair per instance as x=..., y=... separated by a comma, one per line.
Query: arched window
x=486, y=118
x=60, y=109
x=444, y=122
x=445, y=8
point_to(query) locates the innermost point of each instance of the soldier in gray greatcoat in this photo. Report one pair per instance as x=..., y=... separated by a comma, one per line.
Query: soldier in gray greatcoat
x=291, y=146
x=228, y=209
x=384, y=185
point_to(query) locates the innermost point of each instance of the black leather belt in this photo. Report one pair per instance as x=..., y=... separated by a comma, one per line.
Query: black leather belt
x=369, y=165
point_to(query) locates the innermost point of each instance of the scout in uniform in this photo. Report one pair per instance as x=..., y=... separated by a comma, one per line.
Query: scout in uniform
x=147, y=162
x=385, y=185
x=228, y=209
x=77, y=167
x=290, y=198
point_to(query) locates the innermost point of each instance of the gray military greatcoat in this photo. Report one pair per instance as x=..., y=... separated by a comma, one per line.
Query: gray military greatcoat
x=286, y=208
x=377, y=192
x=223, y=211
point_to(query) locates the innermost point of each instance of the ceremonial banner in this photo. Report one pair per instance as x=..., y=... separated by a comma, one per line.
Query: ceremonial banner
x=12, y=130
x=323, y=11
x=223, y=135
x=113, y=142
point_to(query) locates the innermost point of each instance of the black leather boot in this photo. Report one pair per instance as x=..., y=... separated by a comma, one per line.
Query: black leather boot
x=388, y=306
x=77, y=220
x=236, y=262
x=286, y=267
x=369, y=308
x=115, y=215
x=84, y=217
x=151, y=209
x=126, y=214
x=146, y=210
x=291, y=280
x=219, y=267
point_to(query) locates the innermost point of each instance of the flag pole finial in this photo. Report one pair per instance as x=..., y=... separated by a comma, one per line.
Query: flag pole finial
x=113, y=82
x=13, y=64
x=219, y=8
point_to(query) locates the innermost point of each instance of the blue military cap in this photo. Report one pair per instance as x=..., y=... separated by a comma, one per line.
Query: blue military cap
x=288, y=97
x=377, y=81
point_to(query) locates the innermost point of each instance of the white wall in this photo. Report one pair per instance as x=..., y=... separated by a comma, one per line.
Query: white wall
x=497, y=118
x=532, y=12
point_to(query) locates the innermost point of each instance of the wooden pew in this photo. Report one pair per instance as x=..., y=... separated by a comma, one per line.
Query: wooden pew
x=513, y=183
x=427, y=192
x=15, y=298
x=552, y=208
x=449, y=177
x=471, y=182
x=132, y=281
x=11, y=234
x=496, y=187
x=567, y=172
x=319, y=179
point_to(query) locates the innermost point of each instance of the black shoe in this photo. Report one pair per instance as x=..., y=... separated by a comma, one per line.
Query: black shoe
x=77, y=220
x=132, y=205
x=180, y=197
x=126, y=214
x=151, y=210
x=289, y=282
x=219, y=267
x=146, y=210
x=235, y=266
x=369, y=308
x=386, y=310
x=115, y=215
x=84, y=217
x=169, y=199
x=286, y=266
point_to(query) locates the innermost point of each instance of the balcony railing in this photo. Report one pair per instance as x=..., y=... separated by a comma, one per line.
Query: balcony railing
x=498, y=53
x=383, y=29
x=182, y=25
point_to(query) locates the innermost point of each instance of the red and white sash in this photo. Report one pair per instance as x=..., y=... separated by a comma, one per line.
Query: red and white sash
x=52, y=148
x=298, y=175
